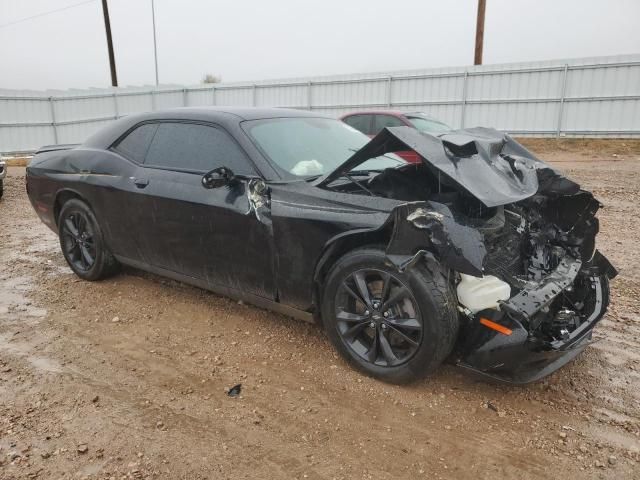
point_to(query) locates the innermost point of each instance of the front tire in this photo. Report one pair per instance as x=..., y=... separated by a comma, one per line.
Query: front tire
x=395, y=326
x=82, y=242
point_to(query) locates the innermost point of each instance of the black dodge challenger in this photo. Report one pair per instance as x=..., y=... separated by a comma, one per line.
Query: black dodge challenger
x=481, y=252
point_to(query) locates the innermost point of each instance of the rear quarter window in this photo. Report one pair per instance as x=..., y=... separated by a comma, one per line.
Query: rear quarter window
x=135, y=145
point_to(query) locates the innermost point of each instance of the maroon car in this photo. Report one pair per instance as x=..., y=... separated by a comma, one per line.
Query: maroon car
x=372, y=122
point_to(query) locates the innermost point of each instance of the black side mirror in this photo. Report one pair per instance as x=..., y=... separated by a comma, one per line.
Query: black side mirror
x=218, y=177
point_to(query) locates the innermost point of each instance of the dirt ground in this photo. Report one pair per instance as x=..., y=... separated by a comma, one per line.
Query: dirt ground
x=126, y=378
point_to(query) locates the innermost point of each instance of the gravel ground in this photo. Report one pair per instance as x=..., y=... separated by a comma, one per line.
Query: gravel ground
x=126, y=378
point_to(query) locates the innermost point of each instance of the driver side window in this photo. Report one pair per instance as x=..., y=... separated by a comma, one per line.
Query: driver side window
x=197, y=148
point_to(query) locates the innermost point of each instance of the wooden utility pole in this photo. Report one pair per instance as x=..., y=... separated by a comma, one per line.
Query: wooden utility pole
x=112, y=60
x=477, y=60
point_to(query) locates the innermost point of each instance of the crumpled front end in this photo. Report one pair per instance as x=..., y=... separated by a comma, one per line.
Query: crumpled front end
x=559, y=289
x=530, y=283
x=518, y=237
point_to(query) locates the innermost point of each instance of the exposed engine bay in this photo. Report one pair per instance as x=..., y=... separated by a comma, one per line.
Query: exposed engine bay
x=525, y=241
x=531, y=262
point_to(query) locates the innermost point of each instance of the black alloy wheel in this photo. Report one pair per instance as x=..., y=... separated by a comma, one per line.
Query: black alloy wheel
x=77, y=237
x=397, y=326
x=82, y=242
x=378, y=317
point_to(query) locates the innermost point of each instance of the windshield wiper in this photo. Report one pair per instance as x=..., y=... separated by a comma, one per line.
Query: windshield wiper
x=356, y=182
x=311, y=178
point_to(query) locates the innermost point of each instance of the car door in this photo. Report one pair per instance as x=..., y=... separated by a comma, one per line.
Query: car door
x=208, y=234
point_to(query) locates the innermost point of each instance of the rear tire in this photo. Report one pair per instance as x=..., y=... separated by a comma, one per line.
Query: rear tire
x=82, y=242
x=407, y=326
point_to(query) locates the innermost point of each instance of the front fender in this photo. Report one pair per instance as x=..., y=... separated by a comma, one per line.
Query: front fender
x=421, y=227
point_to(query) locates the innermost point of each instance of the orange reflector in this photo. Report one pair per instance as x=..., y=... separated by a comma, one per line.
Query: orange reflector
x=495, y=326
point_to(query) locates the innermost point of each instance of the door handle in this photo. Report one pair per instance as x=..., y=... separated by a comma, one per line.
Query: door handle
x=140, y=182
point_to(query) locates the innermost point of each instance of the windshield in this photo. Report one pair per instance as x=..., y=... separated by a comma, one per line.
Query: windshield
x=310, y=147
x=426, y=124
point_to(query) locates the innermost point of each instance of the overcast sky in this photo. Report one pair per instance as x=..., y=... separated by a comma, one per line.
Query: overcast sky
x=253, y=40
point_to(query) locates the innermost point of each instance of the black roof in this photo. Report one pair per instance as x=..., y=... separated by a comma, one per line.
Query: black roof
x=226, y=116
x=245, y=113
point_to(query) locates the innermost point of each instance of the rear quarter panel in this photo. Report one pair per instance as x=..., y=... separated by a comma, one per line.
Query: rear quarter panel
x=90, y=174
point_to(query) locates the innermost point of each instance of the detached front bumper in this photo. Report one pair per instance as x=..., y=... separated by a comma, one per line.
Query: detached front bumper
x=523, y=357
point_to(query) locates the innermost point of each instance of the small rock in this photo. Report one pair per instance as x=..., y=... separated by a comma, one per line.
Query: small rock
x=95, y=399
x=612, y=460
x=83, y=448
x=562, y=435
x=115, y=319
x=235, y=390
x=159, y=425
x=45, y=455
x=599, y=464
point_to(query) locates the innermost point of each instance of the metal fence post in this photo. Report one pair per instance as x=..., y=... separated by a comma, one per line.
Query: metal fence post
x=389, y=80
x=463, y=105
x=53, y=120
x=116, y=113
x=563, y=92
x=309, y=98
x=253, y=95
x=184, y=97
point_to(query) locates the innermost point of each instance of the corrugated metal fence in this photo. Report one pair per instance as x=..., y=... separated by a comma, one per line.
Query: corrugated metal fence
x=584, y=97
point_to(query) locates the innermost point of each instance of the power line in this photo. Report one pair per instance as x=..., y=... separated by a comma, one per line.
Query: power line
x=46, y=13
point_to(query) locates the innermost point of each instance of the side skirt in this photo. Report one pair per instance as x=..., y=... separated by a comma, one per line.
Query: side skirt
x=222, y=290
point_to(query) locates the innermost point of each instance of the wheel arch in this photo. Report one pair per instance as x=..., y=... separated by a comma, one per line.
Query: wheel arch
x=335, y=248
x=62, y=197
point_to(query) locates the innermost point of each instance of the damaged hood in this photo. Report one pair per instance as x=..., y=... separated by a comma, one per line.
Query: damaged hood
x=486, y=163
